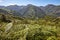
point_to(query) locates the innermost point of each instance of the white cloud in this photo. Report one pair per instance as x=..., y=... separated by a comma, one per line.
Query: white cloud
x=1, y=0
x=12, y=4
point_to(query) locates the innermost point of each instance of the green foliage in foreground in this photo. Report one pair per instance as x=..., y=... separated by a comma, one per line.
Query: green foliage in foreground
x=40, y=29
x=30, y=32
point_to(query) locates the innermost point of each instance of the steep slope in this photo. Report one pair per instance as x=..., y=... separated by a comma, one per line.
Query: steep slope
x=51, y=10
x=15, y=7
x=31, y=11
x=10, y=12
x=2, y=11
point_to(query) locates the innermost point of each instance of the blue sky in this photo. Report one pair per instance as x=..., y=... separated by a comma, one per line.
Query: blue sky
x=25, y=2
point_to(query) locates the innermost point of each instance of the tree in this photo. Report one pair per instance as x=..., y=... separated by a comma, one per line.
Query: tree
x=3, y=18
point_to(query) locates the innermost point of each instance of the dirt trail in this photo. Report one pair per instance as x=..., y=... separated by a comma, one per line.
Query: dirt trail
x=8, y=26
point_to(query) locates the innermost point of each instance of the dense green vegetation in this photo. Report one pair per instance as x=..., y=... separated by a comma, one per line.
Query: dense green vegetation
x=30, y=22
x=47, y=28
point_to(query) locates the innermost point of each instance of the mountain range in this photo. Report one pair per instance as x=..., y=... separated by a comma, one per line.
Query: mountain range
x=31, y=11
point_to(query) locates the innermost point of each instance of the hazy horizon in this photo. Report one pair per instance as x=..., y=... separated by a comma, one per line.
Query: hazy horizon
x=26, y=2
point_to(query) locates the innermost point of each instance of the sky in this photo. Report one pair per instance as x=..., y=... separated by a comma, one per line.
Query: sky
x=25, y=2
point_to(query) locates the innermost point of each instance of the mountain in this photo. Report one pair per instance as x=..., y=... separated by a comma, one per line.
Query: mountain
x=48, y=8
x=15, y=7
x=51, y=9
x=31, y=11
x=2, y=6
x=9, y=12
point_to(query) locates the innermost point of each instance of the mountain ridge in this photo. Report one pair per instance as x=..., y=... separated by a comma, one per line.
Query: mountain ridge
x=33, y=11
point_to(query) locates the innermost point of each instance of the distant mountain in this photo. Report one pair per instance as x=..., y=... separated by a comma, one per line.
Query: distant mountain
x=29, y=11
x=2, y=7
x=48, y=8
x=14, y=7
x=51, y=10
x=32, y=11
x=9, y=12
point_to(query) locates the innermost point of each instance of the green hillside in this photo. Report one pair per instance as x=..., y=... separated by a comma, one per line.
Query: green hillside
x=27, y=29
x=14, y=26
